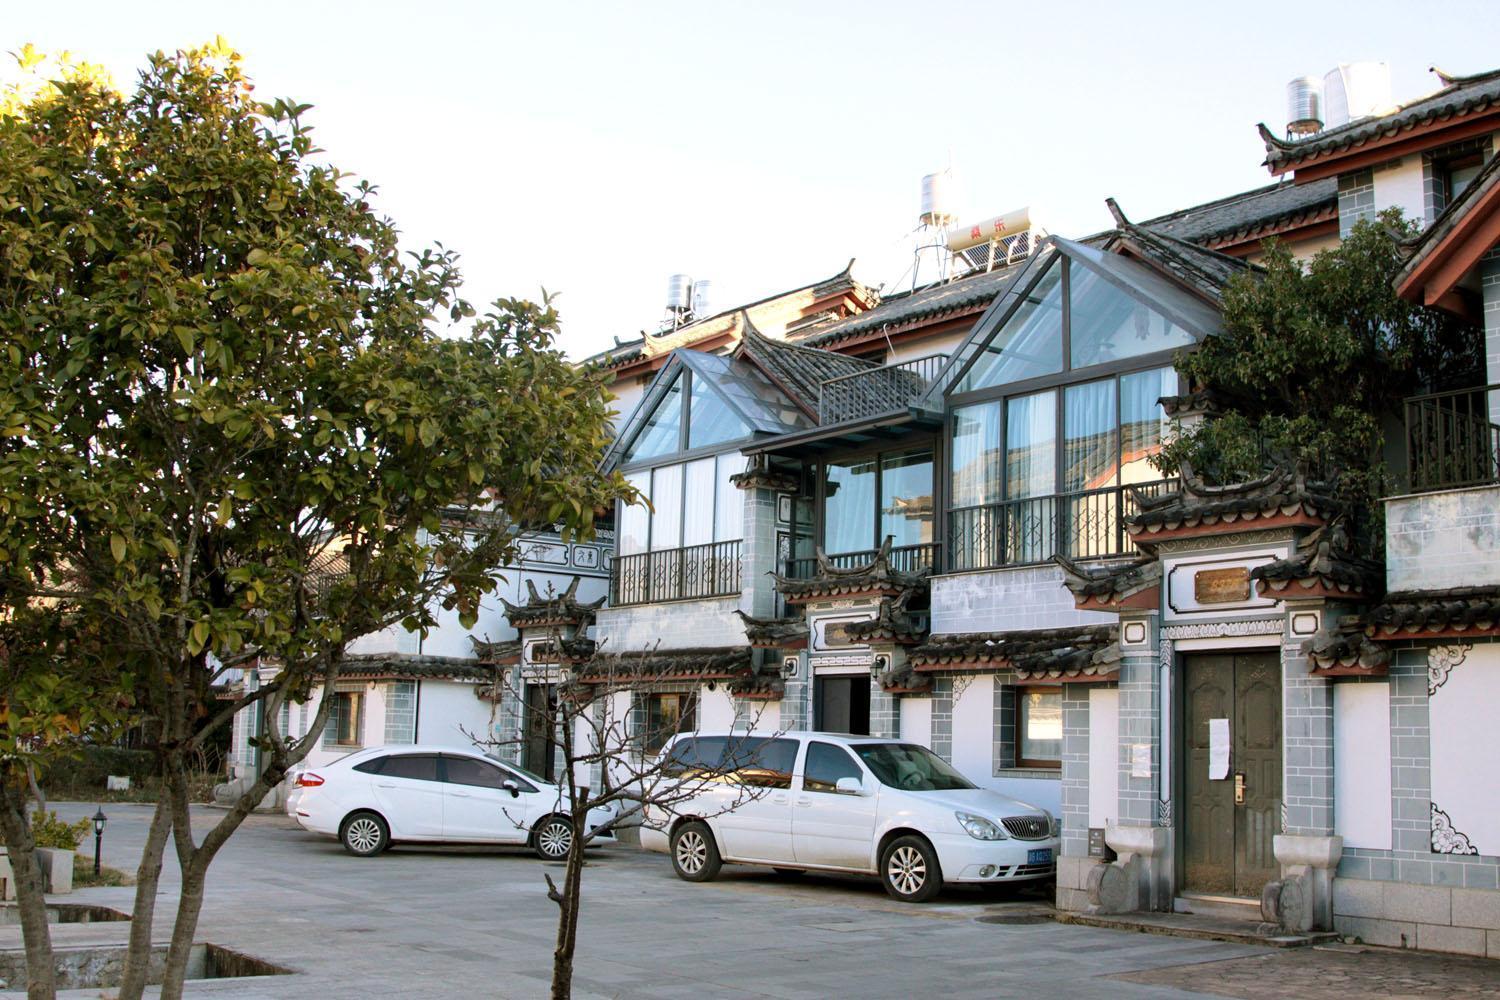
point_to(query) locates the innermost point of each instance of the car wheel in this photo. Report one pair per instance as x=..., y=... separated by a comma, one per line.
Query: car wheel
x=553, y=839
x=694, y=854
x=909, y=869
x=365, y=834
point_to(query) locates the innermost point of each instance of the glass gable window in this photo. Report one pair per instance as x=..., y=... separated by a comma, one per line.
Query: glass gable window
x=1030, y=343
x=710, y=420
x=1106, y=324
x=662, y=434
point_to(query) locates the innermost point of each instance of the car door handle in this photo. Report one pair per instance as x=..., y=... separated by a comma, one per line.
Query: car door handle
x=382, y=784
x=779, y=800
x=803, y=800
x=459, y=795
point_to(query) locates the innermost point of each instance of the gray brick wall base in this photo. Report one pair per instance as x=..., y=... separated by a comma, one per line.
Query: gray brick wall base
x=1429, y=917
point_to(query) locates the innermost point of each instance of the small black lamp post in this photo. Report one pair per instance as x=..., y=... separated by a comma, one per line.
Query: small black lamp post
x=99, y=820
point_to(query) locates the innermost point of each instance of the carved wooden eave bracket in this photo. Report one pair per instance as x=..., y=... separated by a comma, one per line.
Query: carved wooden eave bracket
x=1115, y=586
x=1280, y=499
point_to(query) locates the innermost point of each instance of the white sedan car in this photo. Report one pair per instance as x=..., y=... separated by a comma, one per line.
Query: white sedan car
x=373, y=798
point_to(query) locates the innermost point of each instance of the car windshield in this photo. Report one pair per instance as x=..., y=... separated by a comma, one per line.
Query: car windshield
x=534, y=778
x=910, y=767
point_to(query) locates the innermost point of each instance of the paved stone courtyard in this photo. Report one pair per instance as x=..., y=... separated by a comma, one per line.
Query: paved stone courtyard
x=441, y=923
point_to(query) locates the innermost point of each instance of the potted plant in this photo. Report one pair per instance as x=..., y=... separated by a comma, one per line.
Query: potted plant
x=56, y=841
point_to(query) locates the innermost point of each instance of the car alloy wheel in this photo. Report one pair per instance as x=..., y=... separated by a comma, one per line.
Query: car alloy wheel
x=692, y=852
x=555, y=839
x=907, y=870
x=364, y=835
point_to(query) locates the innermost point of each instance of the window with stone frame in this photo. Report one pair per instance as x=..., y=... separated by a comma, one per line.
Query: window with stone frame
x=668, y=713
x=1039, y=727
x=346, y=719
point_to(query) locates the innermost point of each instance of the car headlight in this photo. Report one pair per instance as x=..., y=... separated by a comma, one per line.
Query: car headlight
x=980, y=828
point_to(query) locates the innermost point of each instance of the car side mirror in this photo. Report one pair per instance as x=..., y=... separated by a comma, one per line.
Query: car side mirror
x=849, y=786
x=512, y=787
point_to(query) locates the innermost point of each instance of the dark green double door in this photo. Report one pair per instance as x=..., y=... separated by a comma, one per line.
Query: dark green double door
x=1229, y=822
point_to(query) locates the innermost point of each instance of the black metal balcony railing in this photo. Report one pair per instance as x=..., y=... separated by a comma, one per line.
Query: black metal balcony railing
x=1451, y=440
x=711, y=570
x=1085, y=525
x=904, y=559
x=877, y=390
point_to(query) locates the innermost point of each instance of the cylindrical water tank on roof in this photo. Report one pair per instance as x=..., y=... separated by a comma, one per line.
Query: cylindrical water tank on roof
x=702, y=297
x=997, y=228
x=1356, y=90
x=680, y=292
x=1304, y=106
x=936, y=194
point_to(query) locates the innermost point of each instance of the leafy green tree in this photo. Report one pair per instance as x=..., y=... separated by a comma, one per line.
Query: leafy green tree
x=1314, y=361
x=236, y=430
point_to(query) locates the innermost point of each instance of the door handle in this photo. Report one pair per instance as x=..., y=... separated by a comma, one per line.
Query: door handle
x=459, y=795
x=382, y=784
x=1239, y=788
x=804, y=801
x=779, y=800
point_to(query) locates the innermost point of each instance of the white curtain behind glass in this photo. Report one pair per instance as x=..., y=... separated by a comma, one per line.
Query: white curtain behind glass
x=1090, y=444
x=635, y=522
x=1143, y=423
x=698, y=503
x=730, y=507
x=666, y=496
x=1031, y=445
x=976, y=455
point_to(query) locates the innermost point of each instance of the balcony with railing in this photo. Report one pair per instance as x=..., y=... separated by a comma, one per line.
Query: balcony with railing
x=903, y=559
x=691, y=573
x=1084, y=525
x=876, y=391
x=1452, y=440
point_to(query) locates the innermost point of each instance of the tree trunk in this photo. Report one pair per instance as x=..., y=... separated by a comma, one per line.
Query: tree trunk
x=41, y=975
x=189, y=906
x=567, y=920
x=147, y=877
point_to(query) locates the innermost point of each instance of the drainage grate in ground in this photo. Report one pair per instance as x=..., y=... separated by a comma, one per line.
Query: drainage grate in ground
x=1018, y=917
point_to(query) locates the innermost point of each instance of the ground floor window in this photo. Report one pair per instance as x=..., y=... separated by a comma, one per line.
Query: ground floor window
x=346, y=720
x=668, y=714
x=1039, y=722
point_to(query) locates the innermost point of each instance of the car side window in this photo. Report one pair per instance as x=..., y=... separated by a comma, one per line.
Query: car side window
x=694, y=754
x=418, y=767
x=765, y=763
x=371, y=766
x=468, y=771
x=825, y=765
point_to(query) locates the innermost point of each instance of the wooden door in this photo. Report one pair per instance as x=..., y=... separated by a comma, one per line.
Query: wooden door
x=1227, y=844
x=539, y=755
x=841, y=704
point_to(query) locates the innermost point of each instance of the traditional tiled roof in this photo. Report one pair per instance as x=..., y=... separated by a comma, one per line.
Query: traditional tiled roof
x=1199, y=402
x=892, y=624
x=1460, y=611
x=698, y=663
x=577, y=649
x=759, y=686
x=798, y=370
x=1346, y=651
x=1461, y=96
x=403, y=666
x=1282, y=497
x=505, y=652
x=1113, y=584
x=1252, y=214
x=775, y=633
x=1088, y=660
x=760, y=474
x=905, y=680
x=554, y=609
x=1324, y=565
x=1433, y=249
x=876, y=577
x=1020, y=649
x=1205, y=271
x=960, y=296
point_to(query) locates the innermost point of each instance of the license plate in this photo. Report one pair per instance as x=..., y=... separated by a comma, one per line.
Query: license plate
x=1040, y=856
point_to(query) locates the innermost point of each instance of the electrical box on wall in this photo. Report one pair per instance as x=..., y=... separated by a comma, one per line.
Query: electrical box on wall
x=1097, y=847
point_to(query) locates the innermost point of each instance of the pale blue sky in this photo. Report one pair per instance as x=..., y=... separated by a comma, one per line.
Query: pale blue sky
x=596, y=148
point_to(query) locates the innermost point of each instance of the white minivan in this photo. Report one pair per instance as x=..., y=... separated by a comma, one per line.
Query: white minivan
x=833, y=802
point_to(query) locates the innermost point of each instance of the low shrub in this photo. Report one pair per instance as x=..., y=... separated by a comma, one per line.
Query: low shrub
x=49, y=831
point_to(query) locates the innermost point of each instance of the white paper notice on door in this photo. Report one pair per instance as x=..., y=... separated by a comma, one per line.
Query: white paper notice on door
x=1218, y=749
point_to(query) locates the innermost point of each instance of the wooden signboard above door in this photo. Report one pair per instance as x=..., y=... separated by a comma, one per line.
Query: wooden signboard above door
x=1222, y=586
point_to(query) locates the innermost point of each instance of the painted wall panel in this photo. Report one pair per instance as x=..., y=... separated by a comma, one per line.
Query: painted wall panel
x=1463, y=704
x=715, y=710
x=916, y=720
x=1104, y=756
x=974, y=728
x=1362, y=765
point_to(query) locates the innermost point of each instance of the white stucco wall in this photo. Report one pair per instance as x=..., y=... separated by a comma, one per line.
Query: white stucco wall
x=916, y=720
x=998, y=600
x=1104, y=756
x=1463, y=704
x=445, y=706
x=974, y=727
x=1362, y=764
x=913, y=349
x=1436, y=541
x=715, y=710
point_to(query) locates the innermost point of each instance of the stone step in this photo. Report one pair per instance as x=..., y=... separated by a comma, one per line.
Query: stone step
x=1224, y=907
x=1192, y=925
